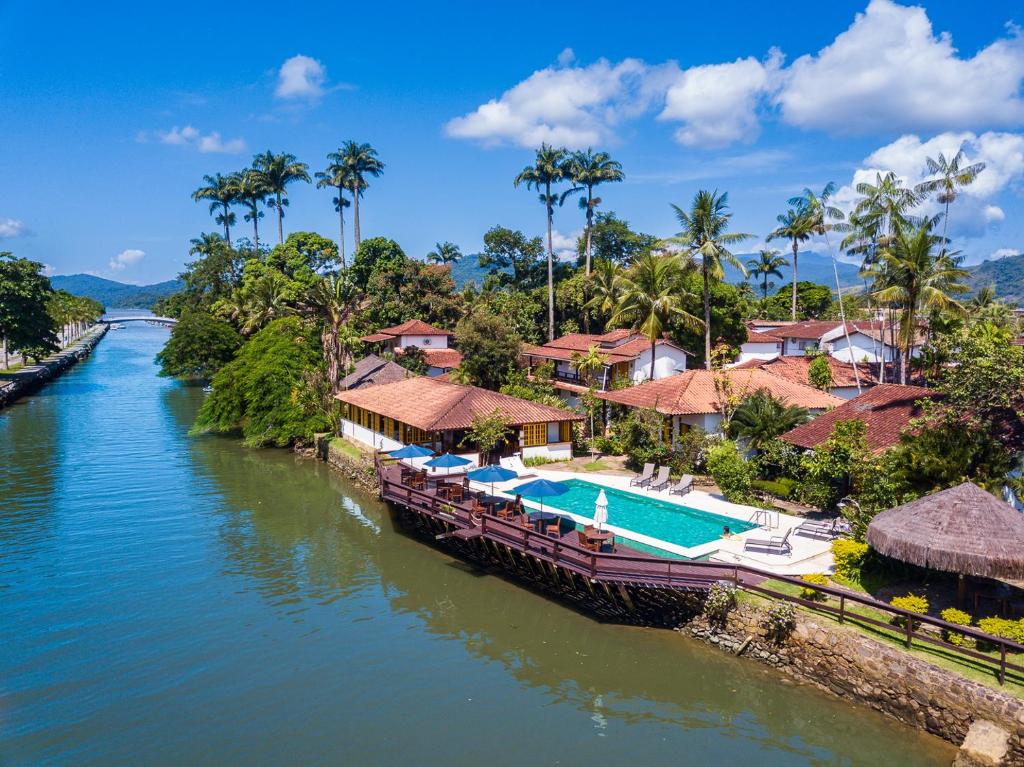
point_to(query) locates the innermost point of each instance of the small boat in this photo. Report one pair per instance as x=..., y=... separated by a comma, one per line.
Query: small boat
x=207, y=389
x=117, y=326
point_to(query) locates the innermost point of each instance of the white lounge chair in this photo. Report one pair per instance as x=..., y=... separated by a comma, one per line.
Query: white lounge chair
x=643, y=477
x=661, y=481
x=777, y=544
x=515, y=463
x=683, y=486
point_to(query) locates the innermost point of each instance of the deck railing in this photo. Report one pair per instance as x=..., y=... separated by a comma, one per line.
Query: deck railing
x=673, y=573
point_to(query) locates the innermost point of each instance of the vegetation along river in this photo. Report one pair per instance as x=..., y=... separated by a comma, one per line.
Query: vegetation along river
x=175, y=600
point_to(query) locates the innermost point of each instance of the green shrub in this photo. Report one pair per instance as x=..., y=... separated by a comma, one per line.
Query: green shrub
x=912, y=603
x=731, y=473
x=772, y=487
x=720, y=601
x=817, y=579
x=608, y=445
x=1002, y=627
x=780, y=620
x=849, y=557
x=778, y=460
x=960, y=618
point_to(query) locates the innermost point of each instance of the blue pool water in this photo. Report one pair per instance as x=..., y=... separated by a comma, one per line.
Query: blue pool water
x=648, y=515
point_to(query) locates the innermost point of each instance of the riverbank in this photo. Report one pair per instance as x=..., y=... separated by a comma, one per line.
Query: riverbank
x=29, y=378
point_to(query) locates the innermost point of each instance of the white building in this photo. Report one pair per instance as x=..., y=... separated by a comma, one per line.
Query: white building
x=440, y=358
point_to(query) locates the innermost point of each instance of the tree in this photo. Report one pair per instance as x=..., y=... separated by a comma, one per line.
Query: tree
x=413, y=359
x=25, y=321
x=549, y=167
x=257, y=392
x=819, y=373
x=766, y=265
x=360, y=162
x=276, y=172
x=508, y=249
x=612, y=240
x=796, y=227
x=761, y=418
x=949, y=179
x=336, y=176
x=489, y=349
x=411, y=290
x=704, y=237
x=333, y=300
x=832, y=469
x=729, y=313
x=588, y=364
x=303, y=256
x=265, y=295
x=444, y=253
x=486, y=432
x=731, y=473
x=813, y=301
x=199, y=346
x=586, y=170
x=376, y=254
x=250, y=190
x=604, y=288
x=651, y=296
x=222, y=192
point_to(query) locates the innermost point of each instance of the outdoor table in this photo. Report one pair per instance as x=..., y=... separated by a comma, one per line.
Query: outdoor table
x=600, y=537
x=538, y=517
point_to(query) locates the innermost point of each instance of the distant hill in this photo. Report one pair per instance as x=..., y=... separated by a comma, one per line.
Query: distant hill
x=113, y=294
x=1007, y=274
x=468, y=269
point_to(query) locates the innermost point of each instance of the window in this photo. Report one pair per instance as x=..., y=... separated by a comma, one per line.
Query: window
x=565, y=431
x=412, y=434
x=535, y=434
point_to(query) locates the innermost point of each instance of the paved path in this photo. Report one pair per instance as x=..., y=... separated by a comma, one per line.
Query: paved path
x=31, y=377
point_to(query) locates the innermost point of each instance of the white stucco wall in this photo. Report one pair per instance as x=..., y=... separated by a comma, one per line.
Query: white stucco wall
x=846, y=392
x=797, y=347
x=424, y=342
x=365, y=436
x=864, y=348
x=556, y=451
x=668, y=361
x=758, y=351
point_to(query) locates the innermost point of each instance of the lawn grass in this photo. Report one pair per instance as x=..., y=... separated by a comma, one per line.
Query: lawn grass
x=974, y=670
x=346, y=448
x=597, y=465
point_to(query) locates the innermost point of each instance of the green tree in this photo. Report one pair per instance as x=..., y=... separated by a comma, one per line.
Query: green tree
x=729, y=312
x=444, y=253
x=266, y=294
x=360, y=162
x=337, y=176
x=766, y=265
x=797, y=227
x=704, y=237
x=587, y=170
x=25, y=321
x=413, y=359
x=549, y=167
x=489, y=349
x=613, y=240
x=813, y=301
x=819, y=373
x=408, y=291
x=373, y=255
x=199, y=346
x=222, y=193
x=276, y=172
x=605, y=281
x=508, y=249
x=651, y=296
x=333, y=300
x=303, y=256
x=761, y=418
x=521, y=312
x=832, y=470
x=732, y=474
x=486, y=432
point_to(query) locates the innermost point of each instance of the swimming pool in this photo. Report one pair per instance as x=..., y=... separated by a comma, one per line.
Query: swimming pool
x=648, y=515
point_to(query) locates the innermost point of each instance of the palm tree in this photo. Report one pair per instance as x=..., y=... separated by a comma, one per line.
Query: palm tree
x=589, y=363
x=917, y=279
x=360, y=161
x=587, y=169
x=222, y=193
x=444, y=253
x=604, y=287
x=704, y=237
x=766, y=265
x=277, y=171
x=949, y=179
x=333, y=299
x=761, y=418
x=796, y=227
x=549, y=167
x=268, y=298
x=651, y=296
x=250, y=191
x=336, y=175
x=882, y=209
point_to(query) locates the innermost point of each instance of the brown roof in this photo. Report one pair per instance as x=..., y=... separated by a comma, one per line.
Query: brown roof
x=798, y=369
x=371, y=370
x=619, y=345
x=887, y=409
x=757, y=337
x=434, y=405
x=693, y=392
x=807, y=329
x=445, y=359
x=962, y=530
x=408, y=328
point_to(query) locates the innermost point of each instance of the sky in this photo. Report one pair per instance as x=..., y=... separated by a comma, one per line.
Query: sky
x=111, y=113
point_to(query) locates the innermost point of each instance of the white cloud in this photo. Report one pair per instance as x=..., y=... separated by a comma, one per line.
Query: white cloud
x=564, y=245
x=189, y=136
x=1004, y=253
x=12, y=227
x=126, y=258
x=48, y=270
x=301, y=77
x=890, y=71
x=566, y=57
x=717, y=103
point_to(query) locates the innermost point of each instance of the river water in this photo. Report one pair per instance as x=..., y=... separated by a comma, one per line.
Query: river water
x=175, y=600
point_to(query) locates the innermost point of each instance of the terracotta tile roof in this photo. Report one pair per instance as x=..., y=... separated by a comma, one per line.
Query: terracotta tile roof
x=887, y=409
x=408, y=328
x=798, y=369
x=807, y=329
x=371, y=370
x=445, y=359
x=757, y=337
x=693, y=392
x=434, y=405
x=617, y=345
x=769, y=323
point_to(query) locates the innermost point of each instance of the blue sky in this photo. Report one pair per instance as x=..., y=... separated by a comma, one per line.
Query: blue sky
x=113, y=112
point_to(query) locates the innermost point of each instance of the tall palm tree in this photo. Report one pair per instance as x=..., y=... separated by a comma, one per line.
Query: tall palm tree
x=761, y=418
x=604, y=287
x=549, y=167
x=277, y=171
x=705, y=238
x=588, y=363
x=767, y=264
x=949, y=179
x=651, y=295
x=918, y=279
x=444, y=253
x=333, y=299
x=361, y=162
x=795, y=227
x=250, y=191
x=335, y=175
x=587, y=169
x=221, y=192
x=267, y=299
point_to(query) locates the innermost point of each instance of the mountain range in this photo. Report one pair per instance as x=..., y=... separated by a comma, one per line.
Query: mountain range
x=113, y=294
x=1006, y=274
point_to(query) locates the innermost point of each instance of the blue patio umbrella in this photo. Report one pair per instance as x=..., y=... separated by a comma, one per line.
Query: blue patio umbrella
x=411, y=451
x=541, y=489
x=447, y=461
x=492, y=474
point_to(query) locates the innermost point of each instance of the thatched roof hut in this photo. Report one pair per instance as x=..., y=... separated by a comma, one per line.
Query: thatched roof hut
x=962, y=530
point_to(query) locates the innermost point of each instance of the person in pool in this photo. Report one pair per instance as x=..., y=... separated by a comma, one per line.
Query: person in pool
x=726, y=532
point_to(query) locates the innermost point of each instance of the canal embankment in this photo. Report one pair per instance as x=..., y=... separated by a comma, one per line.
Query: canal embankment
x=30, y=378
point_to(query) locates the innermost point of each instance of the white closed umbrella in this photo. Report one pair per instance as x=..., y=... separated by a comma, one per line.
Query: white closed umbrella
x=601, y=510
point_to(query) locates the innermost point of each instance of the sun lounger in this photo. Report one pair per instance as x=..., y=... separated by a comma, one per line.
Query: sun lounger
x=777, y=544
x=661, y=481
x=683, y=486
x=515, y=463
x=821, y=529
x=643, y=477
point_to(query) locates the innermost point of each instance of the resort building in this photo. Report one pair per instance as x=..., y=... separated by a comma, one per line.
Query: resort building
x=869, y=342
x=438, y=414
x=627, y=359
x=760, y=346
x=371, y=370
x=797, y=369
x=693, y=398
x=432, y=341
x=886, y=410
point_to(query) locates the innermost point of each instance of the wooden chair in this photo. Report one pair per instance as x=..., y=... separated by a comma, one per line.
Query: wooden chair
x=418, y=481
x=553, y=529
x=584, y=541
x=455, y=493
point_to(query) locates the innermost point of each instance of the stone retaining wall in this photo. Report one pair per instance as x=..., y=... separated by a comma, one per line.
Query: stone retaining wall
x=842, y=661
x=29, y=378
x=360, y=471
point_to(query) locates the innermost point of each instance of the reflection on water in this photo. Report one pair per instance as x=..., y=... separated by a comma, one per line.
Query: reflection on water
x=168, y=600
